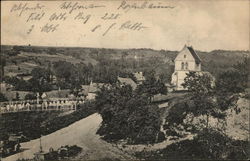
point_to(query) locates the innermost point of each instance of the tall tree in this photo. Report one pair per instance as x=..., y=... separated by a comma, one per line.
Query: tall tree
x=231, y=81
x=202, y=91
x=127, y=115
x=151, y=86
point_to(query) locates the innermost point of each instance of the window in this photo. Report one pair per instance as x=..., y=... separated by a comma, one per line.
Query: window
x=184, y=56
x=182, y=65
x=186, y=65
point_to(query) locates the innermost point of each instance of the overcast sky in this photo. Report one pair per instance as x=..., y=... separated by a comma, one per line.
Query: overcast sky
x=206, y=25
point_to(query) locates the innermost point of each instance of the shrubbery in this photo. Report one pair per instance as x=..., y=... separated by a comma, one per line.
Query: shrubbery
x=3, y=97
x=63, y=121
x=205, y=146
x=127, y=115
x=210, y=99
x=41, y=123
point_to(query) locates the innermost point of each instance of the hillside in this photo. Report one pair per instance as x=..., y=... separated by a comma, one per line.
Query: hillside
x=22, y=59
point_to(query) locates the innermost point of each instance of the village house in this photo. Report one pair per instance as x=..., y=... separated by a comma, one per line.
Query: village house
x=186, y=61
x=139, y=77
x=127, y=81
x=90, y=91
x=4, y=87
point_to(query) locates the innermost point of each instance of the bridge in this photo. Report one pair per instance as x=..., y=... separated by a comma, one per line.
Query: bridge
x=40, y=105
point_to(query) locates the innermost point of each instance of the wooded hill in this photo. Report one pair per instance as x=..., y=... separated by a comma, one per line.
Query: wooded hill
x=22, y=59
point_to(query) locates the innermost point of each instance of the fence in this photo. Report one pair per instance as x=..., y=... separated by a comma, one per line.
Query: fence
x=42, y=105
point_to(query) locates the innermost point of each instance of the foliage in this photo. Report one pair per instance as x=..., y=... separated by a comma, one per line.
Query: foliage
x=57, y=123
x=41, y=123
x=243, y=67
x=176, y=114
x=18, y=84
x=30, y=96
x=231, y=81
x=2, y=97
x=206, y=145
x=2, y=65
x=207, y=99
x=127, y=115
x=17, y=97
x=64, y=152
x=202, y=90
x=40, y=81
x=211, y=99
x=199, y=83
x=151, y=86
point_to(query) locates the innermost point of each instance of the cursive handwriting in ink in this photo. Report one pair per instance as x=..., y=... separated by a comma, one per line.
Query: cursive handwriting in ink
x=111, y=16
x=49, y=28
x=70, y=6
x=96, y=27
x=35, y=16
x=81, y=16
x=113, y=24
x=127, y=5
x=21, y=8
x=132, y=26
x=31, y=29
x=56, y=16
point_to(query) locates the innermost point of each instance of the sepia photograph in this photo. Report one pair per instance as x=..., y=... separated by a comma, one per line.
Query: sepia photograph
x=125, y=80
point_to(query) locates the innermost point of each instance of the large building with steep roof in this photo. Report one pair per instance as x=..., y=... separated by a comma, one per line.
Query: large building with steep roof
x=186, y=61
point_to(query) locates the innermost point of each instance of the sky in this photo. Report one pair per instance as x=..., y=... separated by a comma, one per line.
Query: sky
x=206, y=25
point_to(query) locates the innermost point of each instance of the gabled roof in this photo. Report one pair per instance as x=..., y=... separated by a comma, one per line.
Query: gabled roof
x=127, y=81
x=58, y=93
x=92, y=88
x=139, y=76
x=194, y=54
x=85, y=89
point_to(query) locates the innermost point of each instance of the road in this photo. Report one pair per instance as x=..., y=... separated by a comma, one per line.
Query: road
x=81, y=133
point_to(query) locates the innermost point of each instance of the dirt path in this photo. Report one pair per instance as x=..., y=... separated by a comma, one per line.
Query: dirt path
x=81, y=133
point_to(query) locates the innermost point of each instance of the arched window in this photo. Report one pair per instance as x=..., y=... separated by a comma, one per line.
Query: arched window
x=182, y=65
x=184, y=56
x=186, y=65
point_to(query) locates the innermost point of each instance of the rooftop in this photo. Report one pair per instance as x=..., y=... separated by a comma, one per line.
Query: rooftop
x=194, y=54
x=127, y=81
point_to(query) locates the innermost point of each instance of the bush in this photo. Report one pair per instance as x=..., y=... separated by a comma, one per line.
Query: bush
x=30, y=96
x=2, y=97
x=161, y=137
x=39, y=122
x=128, y=116
x=206, y=145
x=177, y=114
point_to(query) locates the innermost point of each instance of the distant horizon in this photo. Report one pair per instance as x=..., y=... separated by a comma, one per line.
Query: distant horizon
x=126, y=48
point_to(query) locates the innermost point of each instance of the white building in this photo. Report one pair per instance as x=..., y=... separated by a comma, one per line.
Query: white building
x=187, y=60
x=139, y=77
